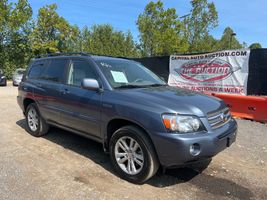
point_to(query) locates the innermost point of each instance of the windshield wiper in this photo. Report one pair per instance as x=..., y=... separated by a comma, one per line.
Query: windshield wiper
x=140, y=86
x=156, y=85
x=130, y=86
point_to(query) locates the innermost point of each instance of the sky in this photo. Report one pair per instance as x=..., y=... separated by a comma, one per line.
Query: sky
x=247, y=18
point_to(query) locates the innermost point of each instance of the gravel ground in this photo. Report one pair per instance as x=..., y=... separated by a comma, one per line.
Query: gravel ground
x=65, y=166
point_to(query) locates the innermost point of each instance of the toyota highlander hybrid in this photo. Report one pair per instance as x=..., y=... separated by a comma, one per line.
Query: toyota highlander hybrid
x=141, y=121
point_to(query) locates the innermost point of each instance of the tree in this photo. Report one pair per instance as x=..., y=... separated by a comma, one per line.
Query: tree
x=202, y=19
x=14, y=31
x=208, y=44
x=255, y=46
x=160, y=31
x=85, y=39
x=228, y=40
x=104, y=40
x=52, y=33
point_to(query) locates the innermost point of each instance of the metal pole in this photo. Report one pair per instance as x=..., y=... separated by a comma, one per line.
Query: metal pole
x=231, y=37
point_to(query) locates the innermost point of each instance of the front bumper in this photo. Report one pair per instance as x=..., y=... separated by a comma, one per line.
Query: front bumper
x=174, y=149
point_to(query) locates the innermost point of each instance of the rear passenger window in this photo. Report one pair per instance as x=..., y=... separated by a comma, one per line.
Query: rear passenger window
x=55, y=70
x=36, y=71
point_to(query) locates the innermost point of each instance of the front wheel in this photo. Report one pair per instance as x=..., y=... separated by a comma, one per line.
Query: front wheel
x=133, y=155
x=36, y=125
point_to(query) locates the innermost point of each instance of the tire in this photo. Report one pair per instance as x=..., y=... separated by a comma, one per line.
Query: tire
x=140, y=153
x=36, y=125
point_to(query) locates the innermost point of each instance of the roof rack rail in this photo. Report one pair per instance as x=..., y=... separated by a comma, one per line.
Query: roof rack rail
x=63, y=54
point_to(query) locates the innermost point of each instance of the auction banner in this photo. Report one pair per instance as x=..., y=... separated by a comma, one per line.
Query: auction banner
x=217, y=72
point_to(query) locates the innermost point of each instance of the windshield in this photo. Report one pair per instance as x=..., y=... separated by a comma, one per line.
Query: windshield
x=128, y=74
x=20, y=71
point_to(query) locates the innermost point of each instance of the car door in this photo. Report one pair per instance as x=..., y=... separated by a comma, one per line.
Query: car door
x=81, y=106
x=47, y=91
x=31, y=87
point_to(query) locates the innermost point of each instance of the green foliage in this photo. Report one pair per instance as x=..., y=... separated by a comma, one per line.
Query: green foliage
x=51, y=32
x=255, y=46
x=14, y=35
x=228, y=40
x=208, y=44
x=104, y=40
x=161, y=32
x=202, y=19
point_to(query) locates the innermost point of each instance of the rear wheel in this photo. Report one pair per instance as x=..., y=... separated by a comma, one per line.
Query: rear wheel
x=36, y=125
x=133, y=155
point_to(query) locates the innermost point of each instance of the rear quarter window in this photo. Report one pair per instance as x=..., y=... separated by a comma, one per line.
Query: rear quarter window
x=36, y=71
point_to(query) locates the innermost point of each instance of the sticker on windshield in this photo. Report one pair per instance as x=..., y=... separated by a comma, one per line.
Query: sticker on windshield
x=119, y=77
x=105, y=65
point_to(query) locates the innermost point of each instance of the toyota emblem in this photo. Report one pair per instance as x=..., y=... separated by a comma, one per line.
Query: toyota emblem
x=223, y=117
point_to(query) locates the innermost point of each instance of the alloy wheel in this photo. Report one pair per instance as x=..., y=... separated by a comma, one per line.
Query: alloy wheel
x=129, y=155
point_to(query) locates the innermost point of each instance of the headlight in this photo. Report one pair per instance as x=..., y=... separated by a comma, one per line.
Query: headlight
x=182, y=123
x=2, y=77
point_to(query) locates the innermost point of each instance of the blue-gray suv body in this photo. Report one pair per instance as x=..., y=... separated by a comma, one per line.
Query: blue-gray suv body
x=140, y=120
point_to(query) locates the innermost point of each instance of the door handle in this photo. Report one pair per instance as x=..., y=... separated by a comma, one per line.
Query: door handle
x=64, y=91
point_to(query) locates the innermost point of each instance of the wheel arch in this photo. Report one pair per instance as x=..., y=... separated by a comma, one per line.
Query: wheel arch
x=117, y=123
x=26, y=102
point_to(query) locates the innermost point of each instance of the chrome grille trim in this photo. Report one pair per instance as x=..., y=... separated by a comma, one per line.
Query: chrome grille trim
x=210, y=114
x=219, y=118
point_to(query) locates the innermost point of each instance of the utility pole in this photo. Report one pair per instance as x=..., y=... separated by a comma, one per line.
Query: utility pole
x=230, y=42
x=185, y=20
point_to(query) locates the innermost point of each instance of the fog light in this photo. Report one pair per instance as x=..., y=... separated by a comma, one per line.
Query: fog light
x=194, y=149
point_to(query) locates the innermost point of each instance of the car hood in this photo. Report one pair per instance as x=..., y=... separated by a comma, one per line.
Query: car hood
x=173, y=100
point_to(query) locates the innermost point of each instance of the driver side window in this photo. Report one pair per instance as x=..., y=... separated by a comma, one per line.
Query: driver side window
x=79, y=69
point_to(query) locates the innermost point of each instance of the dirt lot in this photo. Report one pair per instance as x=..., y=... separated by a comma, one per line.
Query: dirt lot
x=65, y=166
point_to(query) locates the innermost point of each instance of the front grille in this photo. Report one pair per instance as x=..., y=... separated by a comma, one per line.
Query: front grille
x=219, y=118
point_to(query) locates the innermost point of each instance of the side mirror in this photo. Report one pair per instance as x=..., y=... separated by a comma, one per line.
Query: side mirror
x=90, y=84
